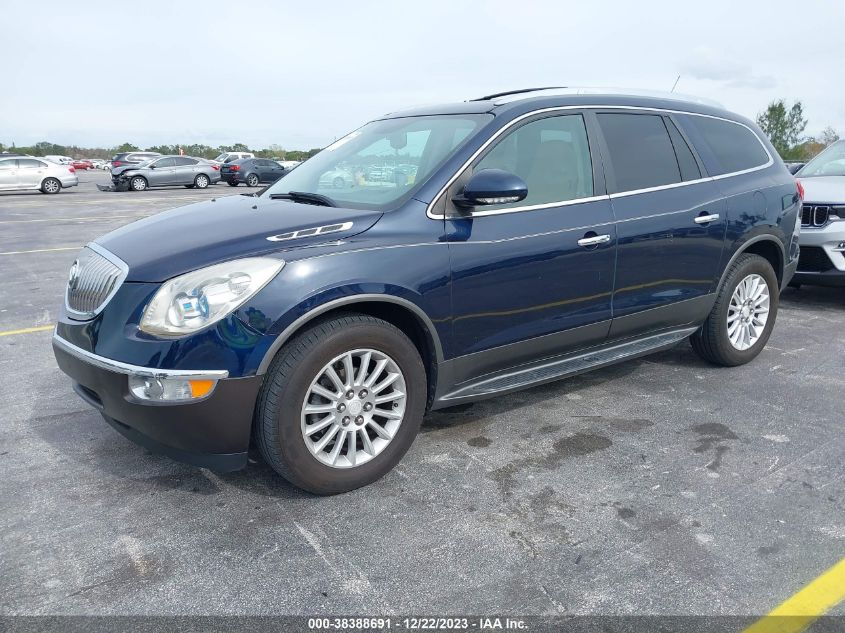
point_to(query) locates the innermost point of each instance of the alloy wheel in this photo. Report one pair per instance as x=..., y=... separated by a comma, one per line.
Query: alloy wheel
x=748, y=311
x=353, y=408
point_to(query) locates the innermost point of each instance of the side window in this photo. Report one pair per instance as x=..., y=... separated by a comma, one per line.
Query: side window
x=641, y=151
x=8, y=164
x=29, y=163
x=183, y=161
x=551, y=155
x=165, y=162
x=689, y=168
x=734, y=146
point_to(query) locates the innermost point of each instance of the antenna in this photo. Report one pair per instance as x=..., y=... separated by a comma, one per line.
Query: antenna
x=675, y=85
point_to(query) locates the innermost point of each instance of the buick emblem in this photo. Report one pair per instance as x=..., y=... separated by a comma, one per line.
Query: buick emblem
x=73, y=276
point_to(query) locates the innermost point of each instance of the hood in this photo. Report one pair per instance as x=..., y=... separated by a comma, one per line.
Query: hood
x=824, y=189
x=185, y=239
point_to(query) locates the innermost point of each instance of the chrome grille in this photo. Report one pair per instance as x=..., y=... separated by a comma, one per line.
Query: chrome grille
x=93, y=279
x=815, y=215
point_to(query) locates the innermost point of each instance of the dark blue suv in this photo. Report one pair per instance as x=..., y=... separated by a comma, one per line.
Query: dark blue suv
x=431, y=258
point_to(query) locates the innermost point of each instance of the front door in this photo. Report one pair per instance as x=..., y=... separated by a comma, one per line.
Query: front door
x=164, y=172
x=536, y=275
x=9, y=174
x=670, y=223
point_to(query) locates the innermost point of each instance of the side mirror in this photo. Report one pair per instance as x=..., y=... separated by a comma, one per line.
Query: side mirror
x=153, y=166
x=491, y=186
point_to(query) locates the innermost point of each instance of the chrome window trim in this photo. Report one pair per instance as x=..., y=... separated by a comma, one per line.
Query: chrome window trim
x=429, y=209
x=124, y=273
x=119, y=367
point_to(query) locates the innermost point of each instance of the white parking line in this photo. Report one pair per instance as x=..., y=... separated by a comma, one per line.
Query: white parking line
x=79, y=219
x=43, y=250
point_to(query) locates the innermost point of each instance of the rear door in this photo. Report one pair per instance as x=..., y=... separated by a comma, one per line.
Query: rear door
x=670, y=223
x=9, y=174
x=186, y=170
x=525, y=283
x=30, y=173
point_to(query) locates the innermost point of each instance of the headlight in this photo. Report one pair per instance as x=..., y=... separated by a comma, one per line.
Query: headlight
x=193, y=301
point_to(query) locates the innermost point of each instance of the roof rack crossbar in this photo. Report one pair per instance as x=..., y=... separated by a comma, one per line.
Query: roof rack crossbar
x=516, y=92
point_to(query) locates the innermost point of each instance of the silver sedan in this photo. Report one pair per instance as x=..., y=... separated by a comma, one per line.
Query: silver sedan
x=166, y=171
x=23, y=173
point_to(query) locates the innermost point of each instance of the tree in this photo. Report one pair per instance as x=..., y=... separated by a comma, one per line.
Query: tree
x=126, y=147
x=828, y=136
x=783, y=127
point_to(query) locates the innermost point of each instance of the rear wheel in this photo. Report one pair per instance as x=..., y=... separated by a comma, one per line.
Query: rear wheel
x=252, y=180
x=341, y=404
x=138, y=183
x=743, y=316
x=51, y=185
x=201, y=181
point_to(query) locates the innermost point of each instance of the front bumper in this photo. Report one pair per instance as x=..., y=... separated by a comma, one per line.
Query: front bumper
x=212, y=432
x=827, y=268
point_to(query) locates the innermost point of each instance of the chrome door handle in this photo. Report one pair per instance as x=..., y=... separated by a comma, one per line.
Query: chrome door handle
x=594, y=240
x=704, y=219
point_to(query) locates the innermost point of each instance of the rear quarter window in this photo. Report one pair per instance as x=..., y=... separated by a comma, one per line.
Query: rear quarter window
x=732, y=147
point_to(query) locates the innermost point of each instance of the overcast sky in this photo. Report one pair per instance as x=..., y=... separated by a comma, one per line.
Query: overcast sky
x=301, y=73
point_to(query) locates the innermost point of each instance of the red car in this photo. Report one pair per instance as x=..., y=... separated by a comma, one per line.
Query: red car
x=82, y=164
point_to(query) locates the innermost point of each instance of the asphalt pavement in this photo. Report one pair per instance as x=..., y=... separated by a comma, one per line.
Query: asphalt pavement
x=662, y=485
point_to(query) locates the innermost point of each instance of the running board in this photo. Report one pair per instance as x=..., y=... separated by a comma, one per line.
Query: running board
x=548, y=370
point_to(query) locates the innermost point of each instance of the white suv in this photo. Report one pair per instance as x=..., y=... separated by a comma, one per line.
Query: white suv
x=822, y=238
x=228, y=157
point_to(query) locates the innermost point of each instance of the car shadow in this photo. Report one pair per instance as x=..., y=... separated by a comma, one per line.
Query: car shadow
x=813, y=296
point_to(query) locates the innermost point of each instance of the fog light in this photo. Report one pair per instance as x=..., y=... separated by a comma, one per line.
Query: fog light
x=165, y=389
x=840, y=247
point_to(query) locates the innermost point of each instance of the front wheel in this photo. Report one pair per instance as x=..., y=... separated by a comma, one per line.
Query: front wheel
x=743, y=316
x=341, y=404
x=252, y=180
x=138, y=183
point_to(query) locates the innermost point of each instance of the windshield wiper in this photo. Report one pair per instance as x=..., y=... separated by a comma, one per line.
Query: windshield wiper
x=304, y=197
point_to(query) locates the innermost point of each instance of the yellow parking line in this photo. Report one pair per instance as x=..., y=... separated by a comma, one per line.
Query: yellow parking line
x=27, y=330
x=812, y=602
x=43, y=250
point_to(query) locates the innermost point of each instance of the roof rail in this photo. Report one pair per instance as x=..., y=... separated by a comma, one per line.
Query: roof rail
x=516, y=92
x=515, y=95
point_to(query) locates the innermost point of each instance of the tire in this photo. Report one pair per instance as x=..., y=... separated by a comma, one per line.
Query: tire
x=252, y=180
x=201, y=181
x=338, y=183
x=51, y=185
x=138, y=183
x=713, y=341
x=280, y=420
x=232, y=184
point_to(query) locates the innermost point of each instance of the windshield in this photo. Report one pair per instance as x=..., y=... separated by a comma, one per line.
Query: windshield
x=831, y=162
x=379, y=165
x=221, y=158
